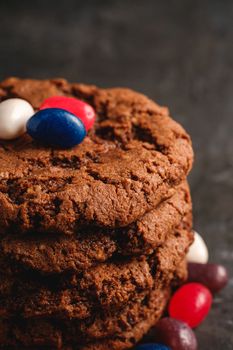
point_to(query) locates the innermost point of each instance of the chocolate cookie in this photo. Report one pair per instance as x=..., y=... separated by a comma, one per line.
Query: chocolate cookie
x=129, y=162
x=106, y=287
x=55, y=253
x=119, y=332
x=121, y=329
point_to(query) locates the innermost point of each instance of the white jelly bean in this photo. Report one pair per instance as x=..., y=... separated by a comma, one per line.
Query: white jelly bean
x=198, y=251
x=14, y=114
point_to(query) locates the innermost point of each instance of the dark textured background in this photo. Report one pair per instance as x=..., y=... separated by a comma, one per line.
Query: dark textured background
x=178, y=52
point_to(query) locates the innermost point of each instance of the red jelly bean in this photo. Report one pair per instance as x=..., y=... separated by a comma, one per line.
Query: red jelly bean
x=173, y=333
x=213, y=276
x=191, y=304
x=77, y=107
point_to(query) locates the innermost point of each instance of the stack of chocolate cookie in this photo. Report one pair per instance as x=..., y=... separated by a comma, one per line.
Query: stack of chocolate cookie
x=92, y=238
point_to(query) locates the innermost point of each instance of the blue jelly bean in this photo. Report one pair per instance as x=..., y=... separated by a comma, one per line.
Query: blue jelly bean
x=152, y=346
x=56, y=127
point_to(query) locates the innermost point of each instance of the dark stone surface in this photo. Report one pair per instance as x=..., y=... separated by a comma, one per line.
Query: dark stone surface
x=177, y=52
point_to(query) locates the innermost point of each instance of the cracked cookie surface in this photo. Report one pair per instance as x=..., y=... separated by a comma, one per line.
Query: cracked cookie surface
x=106, y=287
x=130, y=161
x=117, y=332
x=56, y=253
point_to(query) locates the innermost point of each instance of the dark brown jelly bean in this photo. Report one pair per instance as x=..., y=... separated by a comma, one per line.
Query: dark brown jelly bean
x=213, y=276
x=175, y=334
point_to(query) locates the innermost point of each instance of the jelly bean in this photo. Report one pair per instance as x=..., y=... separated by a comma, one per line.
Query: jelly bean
x=152, y=346
x=213, y=276
x=56, y=127
x=77, y=107
x=14, y=114
x=190, y=303
x=198, y=251
x=175, y=334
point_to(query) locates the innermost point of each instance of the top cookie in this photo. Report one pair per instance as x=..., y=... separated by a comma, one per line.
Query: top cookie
x=130, y=161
